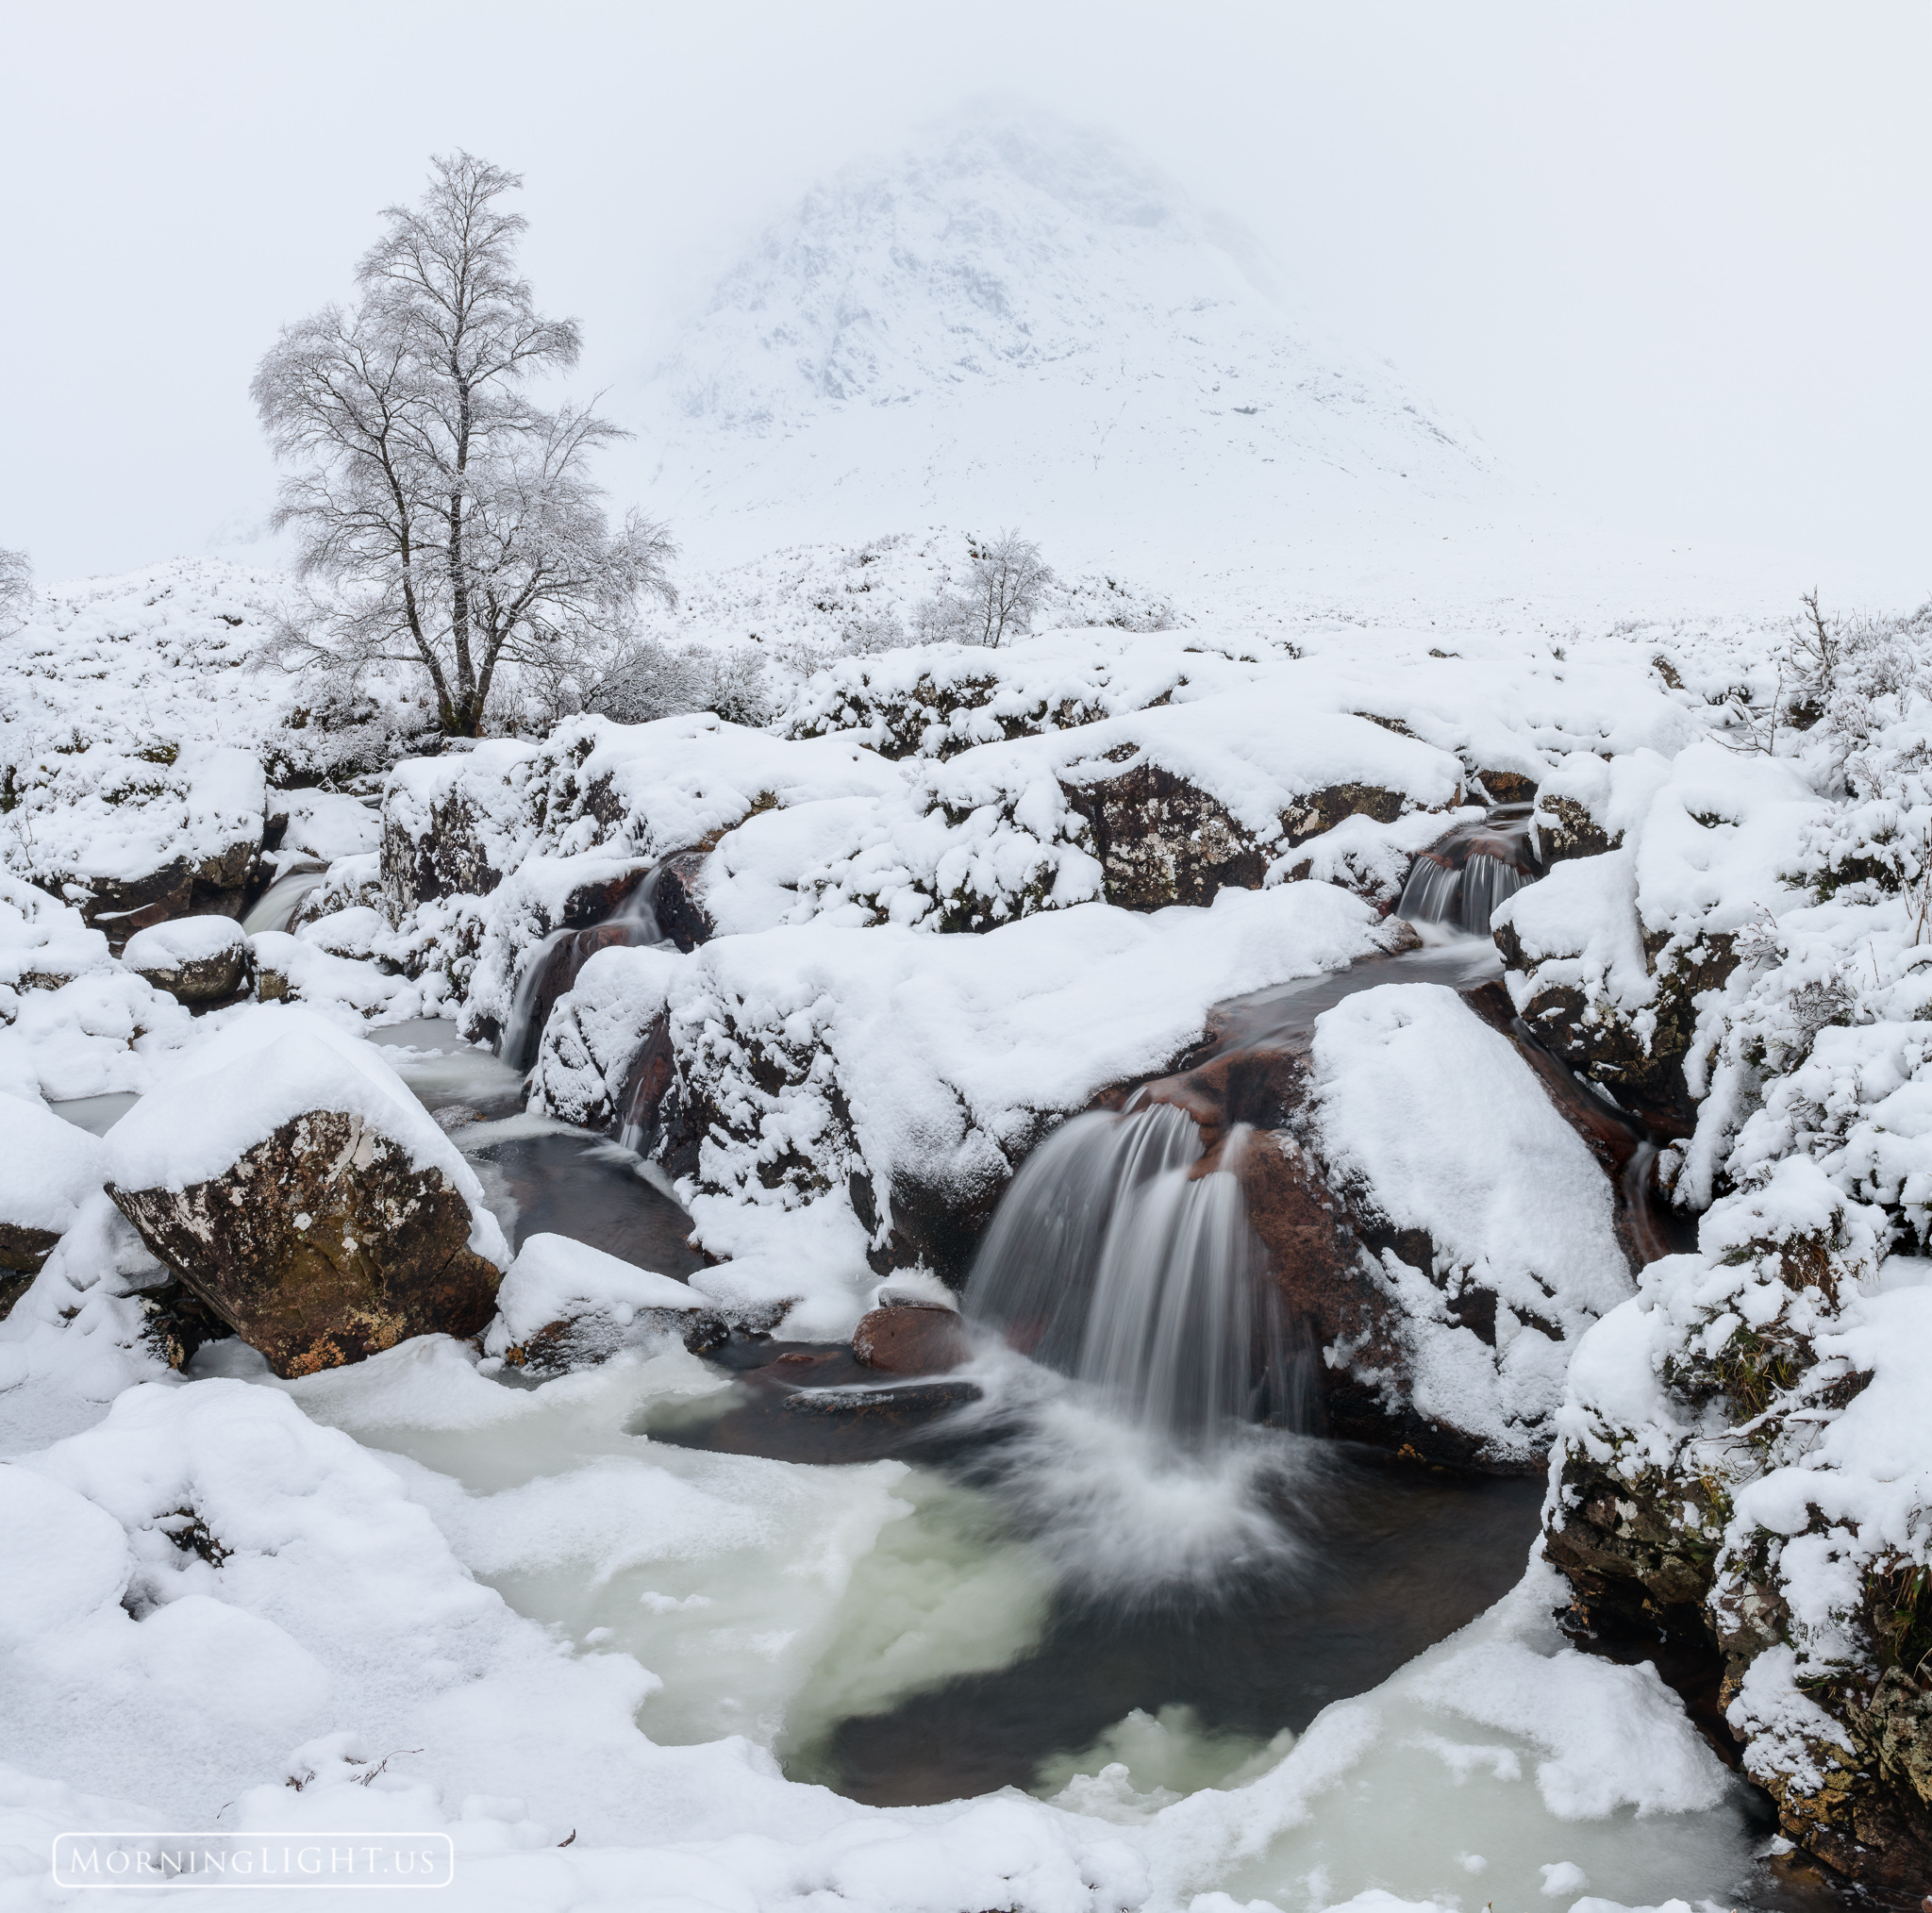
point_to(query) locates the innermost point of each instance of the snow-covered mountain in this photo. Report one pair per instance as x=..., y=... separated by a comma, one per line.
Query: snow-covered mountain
x=1020, y=322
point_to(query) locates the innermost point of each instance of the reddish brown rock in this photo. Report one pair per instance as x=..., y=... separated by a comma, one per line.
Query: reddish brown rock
x=912, y=1339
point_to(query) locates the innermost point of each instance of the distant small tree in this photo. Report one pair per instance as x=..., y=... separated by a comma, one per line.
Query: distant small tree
x=16, y=590
x=453, y=518
x=1004, y=588
x=1009, y=580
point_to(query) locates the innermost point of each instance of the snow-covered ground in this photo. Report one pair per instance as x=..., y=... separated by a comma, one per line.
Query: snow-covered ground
x=421, y=1592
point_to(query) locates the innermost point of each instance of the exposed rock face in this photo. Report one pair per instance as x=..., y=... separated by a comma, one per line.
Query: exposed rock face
x=911, y=1338
x=454, y=825
x=210, y=886
x=322, y=1244
x=195, y=959
x=24, y=1249
x=678, y=900
x=1162, y=840
x=1508, y=786
x=1617, y=1002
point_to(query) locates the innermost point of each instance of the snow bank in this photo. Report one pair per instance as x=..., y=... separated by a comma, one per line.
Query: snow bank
x=47, y=1166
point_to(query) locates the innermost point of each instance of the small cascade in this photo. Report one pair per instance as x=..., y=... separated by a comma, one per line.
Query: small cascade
x=1459, y=881
x=274, y=908
x=554, y=966
x=1118, y=1258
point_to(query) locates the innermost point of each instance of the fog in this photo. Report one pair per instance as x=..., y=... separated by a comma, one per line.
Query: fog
x=1672, y=262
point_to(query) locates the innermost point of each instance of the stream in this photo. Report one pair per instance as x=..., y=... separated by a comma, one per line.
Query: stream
x=1044, y=1586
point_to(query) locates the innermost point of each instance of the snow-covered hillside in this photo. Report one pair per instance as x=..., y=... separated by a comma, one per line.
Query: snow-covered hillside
x=1021, y=321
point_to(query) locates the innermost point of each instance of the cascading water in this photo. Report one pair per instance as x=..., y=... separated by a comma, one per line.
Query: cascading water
x=1118, y=1259
x=1460, y=881
x=1464, y=897
x=553, y=968
x=278, y=904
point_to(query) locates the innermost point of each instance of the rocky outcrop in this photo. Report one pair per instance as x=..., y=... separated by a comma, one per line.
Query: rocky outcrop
x=1727, y=1502
x=184, y=839
x=284, y=1173
x=195, y=959
x=455, y=825
x=216, y=885
x=1620, y=1007
x=1161, y=839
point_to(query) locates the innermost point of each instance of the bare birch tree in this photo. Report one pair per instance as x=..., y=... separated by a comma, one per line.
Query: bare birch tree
x=453, y=520
x=1009, y=578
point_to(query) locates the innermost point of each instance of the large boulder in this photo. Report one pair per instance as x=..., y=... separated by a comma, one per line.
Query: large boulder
x=565, y=1305
x=456, y=824
x=902, y=1337
x=195, y=959
x=47, y=1167
x=288, y=1177
x=188, y=846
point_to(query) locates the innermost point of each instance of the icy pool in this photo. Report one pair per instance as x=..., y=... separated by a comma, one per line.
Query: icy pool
x=1232, y=1666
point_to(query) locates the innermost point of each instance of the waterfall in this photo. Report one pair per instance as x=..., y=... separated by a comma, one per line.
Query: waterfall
x=1438, y=893
x=276, y=905
x=552, y=968
x=1114, y=1260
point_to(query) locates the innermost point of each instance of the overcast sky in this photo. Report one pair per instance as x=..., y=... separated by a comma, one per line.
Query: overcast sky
x=1673, y=262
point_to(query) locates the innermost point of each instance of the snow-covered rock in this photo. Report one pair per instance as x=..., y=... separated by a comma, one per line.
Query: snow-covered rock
x=1438, y=1229
x=293, y=969
x=564, y=1304
x=1611, y=957
x=867, y=1092
x=195, y=959
x=47, y=1169
x=43, y=942
x=284, y=1169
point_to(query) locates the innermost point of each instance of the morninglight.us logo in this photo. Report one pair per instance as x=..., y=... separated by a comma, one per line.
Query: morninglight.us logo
x=254, y=1859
